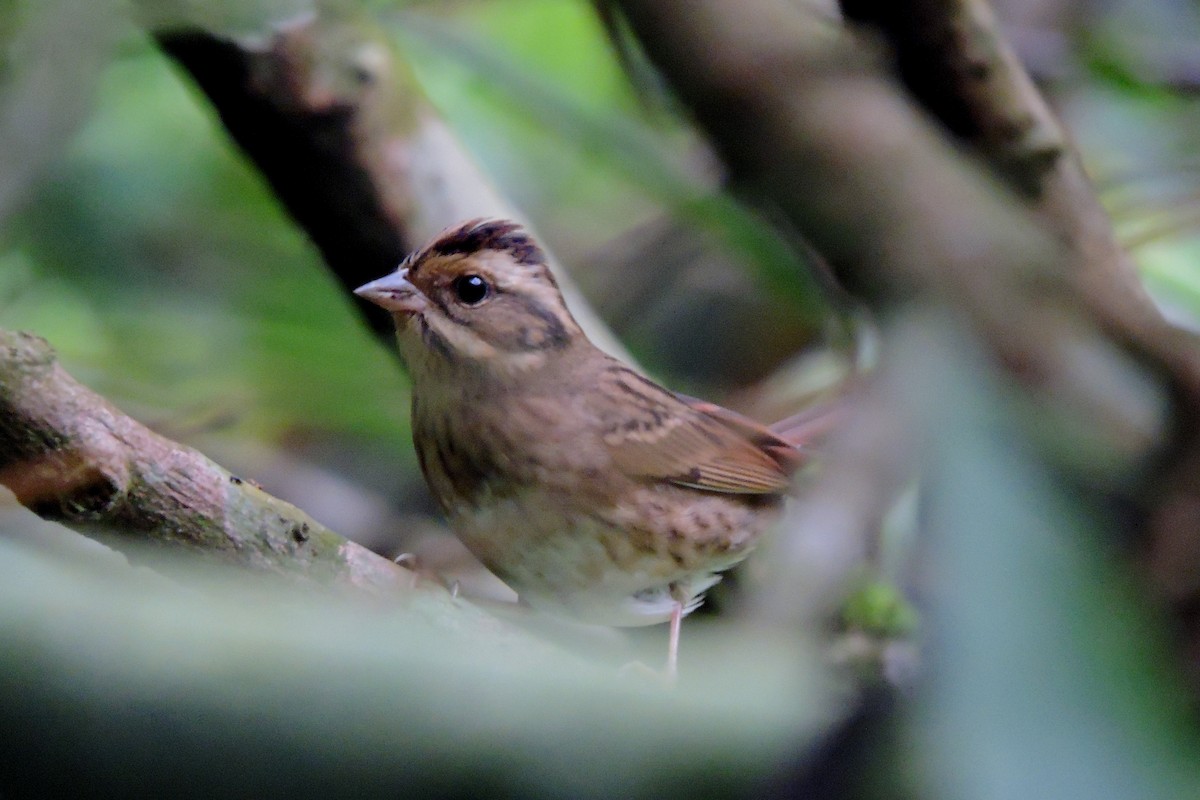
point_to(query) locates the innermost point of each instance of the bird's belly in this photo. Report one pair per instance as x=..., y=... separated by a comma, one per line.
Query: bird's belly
x=591, y=568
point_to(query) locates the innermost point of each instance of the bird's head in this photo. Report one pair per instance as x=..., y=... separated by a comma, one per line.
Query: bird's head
x=480, y=295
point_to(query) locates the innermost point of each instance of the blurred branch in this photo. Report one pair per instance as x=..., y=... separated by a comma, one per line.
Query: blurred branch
x=806, y=120
x=954, y=60
x=302, y=129
x=833, y=527
x=70, y=456
x=334, y=119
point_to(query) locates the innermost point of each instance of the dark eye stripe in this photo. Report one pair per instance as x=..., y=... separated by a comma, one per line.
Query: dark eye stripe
x=445, y=308
x=547, y=333
x=551, y=335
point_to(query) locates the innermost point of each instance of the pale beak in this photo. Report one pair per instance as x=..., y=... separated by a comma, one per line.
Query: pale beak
x=394, y=293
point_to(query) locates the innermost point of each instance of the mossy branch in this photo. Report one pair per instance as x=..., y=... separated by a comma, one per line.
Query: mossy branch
x=70, y=456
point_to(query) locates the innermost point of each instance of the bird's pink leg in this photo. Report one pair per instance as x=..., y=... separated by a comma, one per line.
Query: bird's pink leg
x=673, y=642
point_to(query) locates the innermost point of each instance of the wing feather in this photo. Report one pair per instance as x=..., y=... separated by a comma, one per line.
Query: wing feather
x=654, y=433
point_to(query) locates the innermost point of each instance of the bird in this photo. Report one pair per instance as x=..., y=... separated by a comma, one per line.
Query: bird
x=591, y=490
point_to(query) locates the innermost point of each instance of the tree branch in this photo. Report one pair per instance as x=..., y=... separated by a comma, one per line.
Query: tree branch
x=70, y=456
x=803, y=118
x=953, y=59
x=308, y=124
x=333, y=117
x=807, y=122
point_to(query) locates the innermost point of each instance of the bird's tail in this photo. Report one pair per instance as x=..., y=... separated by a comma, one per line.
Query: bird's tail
x=811, y=424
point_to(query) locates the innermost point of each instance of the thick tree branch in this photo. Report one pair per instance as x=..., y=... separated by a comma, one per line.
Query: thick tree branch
x=807, y=123
x=953, y=58
x=334, y=118
x=70, y=456
x=306, y=124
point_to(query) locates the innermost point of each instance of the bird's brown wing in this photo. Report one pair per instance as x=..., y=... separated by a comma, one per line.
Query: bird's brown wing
x=653, y=433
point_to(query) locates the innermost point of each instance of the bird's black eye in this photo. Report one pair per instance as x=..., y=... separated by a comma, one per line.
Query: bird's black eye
x=471, y=289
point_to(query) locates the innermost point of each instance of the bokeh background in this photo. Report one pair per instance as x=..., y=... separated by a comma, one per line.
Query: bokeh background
x=138, y=240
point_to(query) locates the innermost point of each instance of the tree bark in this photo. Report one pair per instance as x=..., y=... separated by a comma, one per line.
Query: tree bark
x=70, y=456
x=332, y=115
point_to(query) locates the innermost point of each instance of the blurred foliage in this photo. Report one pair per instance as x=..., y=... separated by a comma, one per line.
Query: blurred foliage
x=148, y=687
x=237, y=18
x=1130, y=97
x=881, y=609
x=1050, y=674
x=157, y=262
